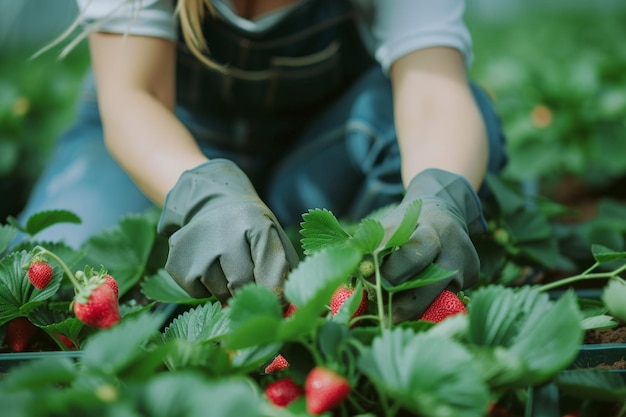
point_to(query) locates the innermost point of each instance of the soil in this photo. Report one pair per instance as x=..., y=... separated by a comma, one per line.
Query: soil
x=613, y=335
x=608, y=336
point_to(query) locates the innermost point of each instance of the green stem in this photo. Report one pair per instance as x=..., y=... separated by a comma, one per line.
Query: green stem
x=311, y=347
x=580, y=277
x=68, y=272
x=393, y=410
x=357, y=405
x=363, y=317
x=379, y=293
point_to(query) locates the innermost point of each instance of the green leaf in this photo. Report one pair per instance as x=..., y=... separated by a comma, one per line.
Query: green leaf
x=433, y=273
x=332, y=337
x=313, y=282
x=602, y=254
x=56, y=368
x=193, y=395
x=123, y=250
x=613, y=296
x=613, y=212
x=509, y=199
x=17, y=295
x=406, y=227
x=161, y=287
x=432, y=376
x=598, y=322
x=256, y=314
x=368, y=235
x=202, y=323
x=250, y=359
x=500, y=366
x=57, y=321
x=311, y=285
x=7, y=234
x=592, y=384
x=528, y=227
x=44, y=219
x=543, y=252
x=543, y=335
x=321, y=229
x=494, y=315
x=211, y=358
x=111, y=350
x=548, y=342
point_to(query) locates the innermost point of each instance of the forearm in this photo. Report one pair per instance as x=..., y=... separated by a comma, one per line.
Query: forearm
x=135, y=78
x=445, y=134
x=152, y=145
x=437, y=120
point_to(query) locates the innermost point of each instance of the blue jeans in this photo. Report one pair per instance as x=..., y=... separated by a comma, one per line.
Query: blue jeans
x=346, y=160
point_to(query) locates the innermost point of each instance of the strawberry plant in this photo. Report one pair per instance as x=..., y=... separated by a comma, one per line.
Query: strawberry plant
x=217, y=359
x=41, y=282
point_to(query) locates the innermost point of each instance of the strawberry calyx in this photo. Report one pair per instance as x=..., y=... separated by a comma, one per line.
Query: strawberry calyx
x=89, y=280
x=83, y=293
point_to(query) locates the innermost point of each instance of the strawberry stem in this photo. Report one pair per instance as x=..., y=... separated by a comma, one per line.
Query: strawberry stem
x=583, y=276
x=68, y=272
x=379, y=293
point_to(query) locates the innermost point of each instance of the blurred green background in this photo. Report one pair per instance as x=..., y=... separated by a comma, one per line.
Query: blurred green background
x=556, y=70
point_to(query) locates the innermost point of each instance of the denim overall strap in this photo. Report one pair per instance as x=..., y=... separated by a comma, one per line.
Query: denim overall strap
x=294, y=68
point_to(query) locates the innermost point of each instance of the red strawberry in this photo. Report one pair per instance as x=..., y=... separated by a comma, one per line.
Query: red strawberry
x=496, y=410
x=111, y=282
x=97, y=306
x=341, y=295
x=445, y=305
x=20, y=333
x=324, y=389
x=66, y=341
x=278, y=364
x=283, y=391
x=40, y=274
x=290, y=310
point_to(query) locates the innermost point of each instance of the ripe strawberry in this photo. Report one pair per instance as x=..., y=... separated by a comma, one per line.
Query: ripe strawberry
x=496, y=410
x=324, y=389
x=278, y=364
x=111, y=282
x=341, y=295
x=290, y=310
x=20, y=333
x=66, y=341
x=283, y=391
x=445, y=305
x=40, y=274
x=97, y=306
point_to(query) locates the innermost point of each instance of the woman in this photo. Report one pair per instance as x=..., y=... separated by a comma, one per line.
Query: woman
x=237, y=116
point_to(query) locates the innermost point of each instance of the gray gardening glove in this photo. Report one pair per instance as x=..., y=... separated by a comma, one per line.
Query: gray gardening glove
x=221, y=235
x=451, y=211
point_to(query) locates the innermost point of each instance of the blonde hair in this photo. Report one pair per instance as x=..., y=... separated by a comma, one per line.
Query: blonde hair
x=191, y=15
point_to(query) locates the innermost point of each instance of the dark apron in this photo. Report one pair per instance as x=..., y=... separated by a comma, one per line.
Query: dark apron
x=274, y=81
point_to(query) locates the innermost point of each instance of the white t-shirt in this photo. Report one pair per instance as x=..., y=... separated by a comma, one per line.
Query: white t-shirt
x=390, y=28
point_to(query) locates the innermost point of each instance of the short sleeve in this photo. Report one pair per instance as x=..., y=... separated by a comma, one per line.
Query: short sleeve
x=134, y=17
x=394, y=28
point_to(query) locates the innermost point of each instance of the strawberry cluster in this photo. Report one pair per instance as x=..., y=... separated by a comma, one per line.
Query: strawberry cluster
x=95, y=302
x=323, y=390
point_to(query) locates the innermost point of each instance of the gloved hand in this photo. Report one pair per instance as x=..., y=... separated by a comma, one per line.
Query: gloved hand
x=221, y=235
x=451, y=212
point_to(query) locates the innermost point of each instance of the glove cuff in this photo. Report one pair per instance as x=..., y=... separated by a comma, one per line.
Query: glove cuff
x=196, y=187
x=454, y=190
